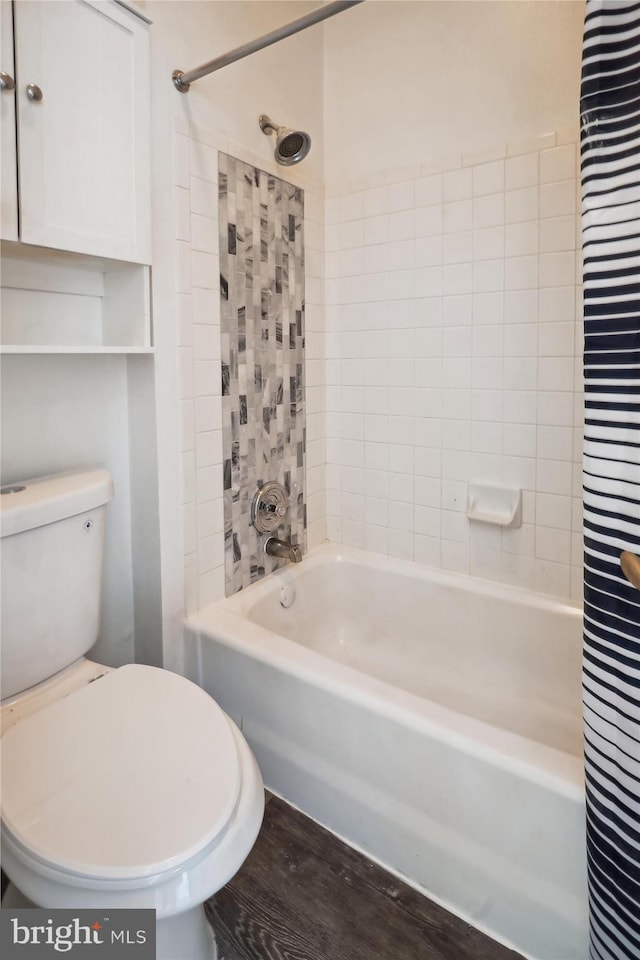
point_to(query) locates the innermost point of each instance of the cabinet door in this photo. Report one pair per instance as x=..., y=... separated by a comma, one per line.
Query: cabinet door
x=83, y=141
x=8, y=171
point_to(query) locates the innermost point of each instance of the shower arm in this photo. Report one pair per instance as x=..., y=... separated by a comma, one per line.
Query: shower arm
x=182, y=81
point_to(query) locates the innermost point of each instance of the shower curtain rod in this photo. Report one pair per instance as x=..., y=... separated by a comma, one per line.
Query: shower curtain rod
x=183, y=81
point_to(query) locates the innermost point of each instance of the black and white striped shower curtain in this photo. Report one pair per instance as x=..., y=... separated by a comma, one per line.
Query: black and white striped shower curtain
x=610, y=113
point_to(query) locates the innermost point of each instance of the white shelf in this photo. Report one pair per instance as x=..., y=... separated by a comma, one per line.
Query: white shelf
x=9, y=349
x=56, y=302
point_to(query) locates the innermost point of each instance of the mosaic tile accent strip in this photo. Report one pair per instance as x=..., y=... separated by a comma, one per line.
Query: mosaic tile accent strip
x=262, y=329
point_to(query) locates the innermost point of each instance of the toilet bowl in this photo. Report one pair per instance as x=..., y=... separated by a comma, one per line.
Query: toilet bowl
x=121, y=788
x=135, y=790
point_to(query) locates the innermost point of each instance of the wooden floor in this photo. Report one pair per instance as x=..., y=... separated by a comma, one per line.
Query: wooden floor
x=304, y=895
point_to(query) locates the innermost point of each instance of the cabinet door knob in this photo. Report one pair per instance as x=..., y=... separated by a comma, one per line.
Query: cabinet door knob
x=34, y=92
x=6, y=81
x=630, y=567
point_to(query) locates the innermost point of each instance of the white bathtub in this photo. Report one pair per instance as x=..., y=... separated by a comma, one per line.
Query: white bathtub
x=431, y=720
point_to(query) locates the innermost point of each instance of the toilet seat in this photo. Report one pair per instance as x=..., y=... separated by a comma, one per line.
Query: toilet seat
x=126, y=779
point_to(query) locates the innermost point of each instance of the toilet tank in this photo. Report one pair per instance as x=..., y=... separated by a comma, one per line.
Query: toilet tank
x=51, y=546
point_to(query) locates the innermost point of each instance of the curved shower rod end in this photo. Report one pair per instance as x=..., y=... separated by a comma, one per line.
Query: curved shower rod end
x=178, y=83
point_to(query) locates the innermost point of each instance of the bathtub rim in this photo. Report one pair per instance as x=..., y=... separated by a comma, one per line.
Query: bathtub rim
x=227, y=622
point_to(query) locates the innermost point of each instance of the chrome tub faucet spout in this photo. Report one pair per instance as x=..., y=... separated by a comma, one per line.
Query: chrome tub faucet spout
x=283, y=550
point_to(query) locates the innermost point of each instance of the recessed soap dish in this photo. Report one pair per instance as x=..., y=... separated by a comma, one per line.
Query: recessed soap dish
x=493, y=504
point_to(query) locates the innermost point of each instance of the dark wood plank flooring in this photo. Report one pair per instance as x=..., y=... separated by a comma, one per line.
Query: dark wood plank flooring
x=302, y=894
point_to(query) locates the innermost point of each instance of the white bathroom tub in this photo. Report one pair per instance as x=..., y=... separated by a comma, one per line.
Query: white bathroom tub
x=432, y=720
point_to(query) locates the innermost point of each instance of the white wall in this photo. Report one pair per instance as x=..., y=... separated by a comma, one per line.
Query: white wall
x=409, y=81
x=65, y=412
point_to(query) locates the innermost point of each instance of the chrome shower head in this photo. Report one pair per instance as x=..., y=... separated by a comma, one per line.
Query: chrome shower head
x=292, y=146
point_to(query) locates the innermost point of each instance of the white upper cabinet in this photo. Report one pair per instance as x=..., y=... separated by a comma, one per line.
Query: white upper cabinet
x=8, y=169
x=82, y=100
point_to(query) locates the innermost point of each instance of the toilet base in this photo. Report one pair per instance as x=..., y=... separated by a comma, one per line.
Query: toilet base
x=184, y=936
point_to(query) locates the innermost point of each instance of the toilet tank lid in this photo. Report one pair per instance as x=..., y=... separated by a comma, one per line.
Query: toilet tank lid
x=27, y=504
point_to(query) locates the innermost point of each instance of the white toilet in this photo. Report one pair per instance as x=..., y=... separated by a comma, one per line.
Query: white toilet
x=122, y=787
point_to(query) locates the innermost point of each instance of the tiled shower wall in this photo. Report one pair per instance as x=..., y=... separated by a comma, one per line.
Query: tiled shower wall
x=197, y=288
x=262, y=333
x=453, y=355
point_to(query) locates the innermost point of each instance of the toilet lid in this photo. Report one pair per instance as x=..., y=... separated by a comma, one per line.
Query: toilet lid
x=128, y=777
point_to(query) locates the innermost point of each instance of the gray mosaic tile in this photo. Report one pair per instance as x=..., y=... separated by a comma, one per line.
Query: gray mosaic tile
x=261, y=223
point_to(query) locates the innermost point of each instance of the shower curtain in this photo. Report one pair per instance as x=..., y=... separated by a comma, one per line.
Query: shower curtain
x=610, y=135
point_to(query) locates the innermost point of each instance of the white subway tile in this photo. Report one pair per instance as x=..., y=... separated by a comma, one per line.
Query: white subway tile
x=375, y=202
x=401, y=196
x=429, y=221
x=456, y=434
x=457, y=216
x=401, y=544
x=520, y=405
x=555, y=373
x=351, y=207
x=488, y=211
x=558, y=164
x=427, y=493
x=429, y=251
x=457, y=185
x=401, y=225
x=519, y=439
x=488, y=340
x=521, y=205
x=428, y=282
x=486, y=436
x=558, y=199
x=457, y=310
x=519, y=472
x=206, y=342
x=530, y=144
x=376, y=538
x=488, y=307
x=521, y=273
x=521, y=306
x=555, y=408
x=429, y=190
x=555, y=443
x=553, y=544
x=489, y=243
x=553, y=511
x=553, y=476
x=203, y=198
x=557, y=269
x=457, y=247
x=488, y=178
x=557, y=233
x=521, y=171
x=426, y=550
x=486, y=404
x=520, y=340
x=208, y=414
x=521, y=239
x=488, y=276
x=520, y=373
x=457, y=279
x=454, y=556
x=557, y=304
x=486, y=373
x=556, y=339
x=552, y=578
